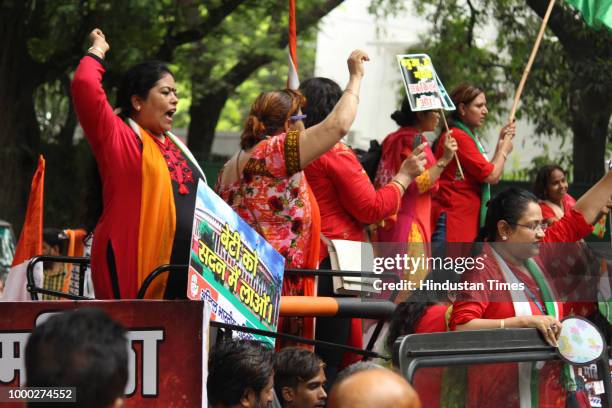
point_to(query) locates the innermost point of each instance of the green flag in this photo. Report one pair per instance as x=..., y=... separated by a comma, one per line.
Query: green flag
x=596, y=13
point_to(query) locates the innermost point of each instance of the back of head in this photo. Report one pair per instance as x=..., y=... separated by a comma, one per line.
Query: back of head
x=56, y=237
x=138, y=80
x=380, y=388
x=234, y=367
x=509, y=205
x=408, y=313
x=268, y=115
x=322, y=94
x=84, y=349
x=405, y=116
x=540, y=186
x=463, y=94
x=293, y=365
x=354, y=368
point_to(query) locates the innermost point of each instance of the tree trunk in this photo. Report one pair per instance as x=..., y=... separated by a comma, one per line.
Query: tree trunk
x=589, y=123
x=205, y=113
x=19, y=134
x=206, y=108
x=591, y=107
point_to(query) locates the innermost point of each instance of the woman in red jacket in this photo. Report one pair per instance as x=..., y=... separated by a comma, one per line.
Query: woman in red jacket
x=411, y=228
x=462, y=201
x=518, y=251
x=347, y=202
x=149, y=177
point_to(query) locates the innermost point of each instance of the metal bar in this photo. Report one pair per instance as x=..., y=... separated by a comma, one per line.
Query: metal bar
x=299, y=339
x=489, y=358
x=31, y=284
x=154, y=274
x=329, y=272
x=35, y=290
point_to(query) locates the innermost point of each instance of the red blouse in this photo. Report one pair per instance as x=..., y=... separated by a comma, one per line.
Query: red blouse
x=347, y=199
x=490, y=304
x=549, y=214
x=460, y=199
x=484, y=387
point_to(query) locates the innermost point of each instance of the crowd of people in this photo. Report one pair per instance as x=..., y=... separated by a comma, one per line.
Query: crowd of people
x=299, y=186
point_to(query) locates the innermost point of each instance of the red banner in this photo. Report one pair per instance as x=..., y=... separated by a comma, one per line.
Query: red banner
x=165, y=357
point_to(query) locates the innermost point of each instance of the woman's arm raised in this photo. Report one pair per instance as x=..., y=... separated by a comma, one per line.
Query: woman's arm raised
x=91, y=104
x=317, y=140
x=591, y=202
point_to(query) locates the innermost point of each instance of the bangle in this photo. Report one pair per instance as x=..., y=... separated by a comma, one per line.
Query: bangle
x=399, y=184
x=295, y=118
x=441, y=163
x=93, y=47
x=348, y=91
x=502, y=324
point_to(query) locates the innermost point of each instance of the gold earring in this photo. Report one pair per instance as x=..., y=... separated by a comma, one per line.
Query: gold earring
x=138, y=108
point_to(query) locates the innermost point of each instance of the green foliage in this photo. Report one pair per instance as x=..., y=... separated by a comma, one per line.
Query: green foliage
x=203, y=41
x=270, y=77
x=573, y=61
x=135, y=30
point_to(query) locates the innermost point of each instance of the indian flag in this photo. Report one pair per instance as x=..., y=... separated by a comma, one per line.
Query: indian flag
x=596, y=13
x=30, y=242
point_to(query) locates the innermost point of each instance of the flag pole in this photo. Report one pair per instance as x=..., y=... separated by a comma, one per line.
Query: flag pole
x=293, y=81
x=534, y=52
x=455, y=153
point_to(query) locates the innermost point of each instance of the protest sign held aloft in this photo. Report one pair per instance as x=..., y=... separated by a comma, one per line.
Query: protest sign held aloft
x=423, y=86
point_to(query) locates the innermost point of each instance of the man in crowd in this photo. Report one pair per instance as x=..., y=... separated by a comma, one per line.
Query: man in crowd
x=299, y=378
x=240, y=375
x=376, y=387
x=84, y=349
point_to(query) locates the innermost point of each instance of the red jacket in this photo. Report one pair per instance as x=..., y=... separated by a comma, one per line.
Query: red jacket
x=347, y=199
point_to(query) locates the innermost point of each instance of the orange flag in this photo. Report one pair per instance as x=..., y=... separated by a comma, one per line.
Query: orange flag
x=30, y=239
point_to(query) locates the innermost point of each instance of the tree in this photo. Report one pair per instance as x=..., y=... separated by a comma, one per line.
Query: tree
x=569, y=85
x=42, y=43
x=213, y=83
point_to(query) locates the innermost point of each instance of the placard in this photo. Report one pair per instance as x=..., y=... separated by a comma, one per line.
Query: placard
x=233, y=268
x=424, y=89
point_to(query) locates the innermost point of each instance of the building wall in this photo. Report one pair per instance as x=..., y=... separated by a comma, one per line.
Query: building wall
x=351, y=26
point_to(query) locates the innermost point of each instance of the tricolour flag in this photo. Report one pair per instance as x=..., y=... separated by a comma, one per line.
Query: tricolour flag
x=599, y=228
x=30, y=241
x=596, y=13
x=293, y=82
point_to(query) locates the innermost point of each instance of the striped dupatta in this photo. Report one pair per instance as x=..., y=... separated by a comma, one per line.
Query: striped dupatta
x=528, y=373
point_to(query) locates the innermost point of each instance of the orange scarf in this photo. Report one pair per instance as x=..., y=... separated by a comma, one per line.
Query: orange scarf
x=157, y=217
x=76, y=247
